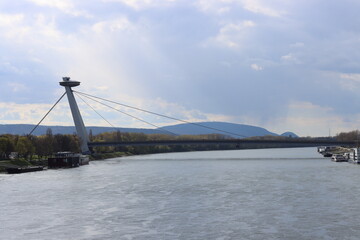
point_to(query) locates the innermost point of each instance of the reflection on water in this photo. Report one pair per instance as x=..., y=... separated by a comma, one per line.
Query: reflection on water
x=243, y=194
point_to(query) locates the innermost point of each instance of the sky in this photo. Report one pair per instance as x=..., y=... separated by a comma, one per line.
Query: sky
x=278, y=64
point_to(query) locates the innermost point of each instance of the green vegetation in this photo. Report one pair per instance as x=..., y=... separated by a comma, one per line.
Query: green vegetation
x=13, y=163
x=136, y=150
x=34, y=148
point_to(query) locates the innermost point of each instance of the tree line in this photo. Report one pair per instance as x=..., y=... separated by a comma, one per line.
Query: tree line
x=42, y=146
x=348, y=136
x=124, y=137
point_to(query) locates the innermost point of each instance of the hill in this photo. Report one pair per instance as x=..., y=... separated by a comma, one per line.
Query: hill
x=239, y=129
x=289, y=134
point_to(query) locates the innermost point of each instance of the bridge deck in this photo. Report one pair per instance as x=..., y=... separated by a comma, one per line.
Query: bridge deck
x=274, y=143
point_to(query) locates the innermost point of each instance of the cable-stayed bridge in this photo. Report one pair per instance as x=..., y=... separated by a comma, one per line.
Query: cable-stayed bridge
x=240, y=141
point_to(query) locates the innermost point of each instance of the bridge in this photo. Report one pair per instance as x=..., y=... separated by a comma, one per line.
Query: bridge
x=86, y=145
x=238, y=142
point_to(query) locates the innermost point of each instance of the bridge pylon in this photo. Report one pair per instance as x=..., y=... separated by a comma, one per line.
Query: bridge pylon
x=78, y=121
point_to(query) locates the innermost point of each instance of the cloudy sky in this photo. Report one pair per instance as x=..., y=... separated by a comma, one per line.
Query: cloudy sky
x=283, y=65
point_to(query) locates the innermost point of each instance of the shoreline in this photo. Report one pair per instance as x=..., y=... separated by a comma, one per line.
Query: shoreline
x=19, y=163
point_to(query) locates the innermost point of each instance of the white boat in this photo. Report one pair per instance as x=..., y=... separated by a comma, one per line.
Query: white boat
x=339, y=158
x=326, y=151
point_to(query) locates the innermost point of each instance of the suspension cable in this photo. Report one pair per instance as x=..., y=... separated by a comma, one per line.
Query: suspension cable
x=97, y=112
x=47, y=114
x=160, y=115
x=137, y=118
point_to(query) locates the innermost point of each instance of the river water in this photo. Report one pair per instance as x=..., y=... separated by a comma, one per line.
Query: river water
x=240, y=194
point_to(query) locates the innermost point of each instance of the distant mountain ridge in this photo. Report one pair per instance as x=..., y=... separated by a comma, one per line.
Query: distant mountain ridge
x=239, y=130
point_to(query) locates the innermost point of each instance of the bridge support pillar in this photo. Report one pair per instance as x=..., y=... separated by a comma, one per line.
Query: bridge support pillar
x=79, y=123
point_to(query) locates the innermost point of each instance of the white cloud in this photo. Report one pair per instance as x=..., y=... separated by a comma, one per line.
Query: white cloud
x=6, y=66
x=8, y=20
x=114, y=25
x=214, y=6
x=257, y=6
x=40, y=29
x=290, y=58
x=61, y=4
x=351, y=76
x=12, y=26
x=256, y=67
x=232, y=35
x=13, y=113
x=178, y=111
x=223, y=6
x=66, y=6
x=348, y=81
x=102, y=88
x=143, y=4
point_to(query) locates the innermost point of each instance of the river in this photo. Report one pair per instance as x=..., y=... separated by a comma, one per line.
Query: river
x=240, y=194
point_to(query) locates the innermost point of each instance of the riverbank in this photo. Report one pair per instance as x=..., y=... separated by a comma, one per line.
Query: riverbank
x=14, y=163
x=17, y=163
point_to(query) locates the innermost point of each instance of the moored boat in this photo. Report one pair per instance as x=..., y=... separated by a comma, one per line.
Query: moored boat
x=16, y=170
x=354, y=156
x=339, y=158
x=326, y=151
x=67, y=160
